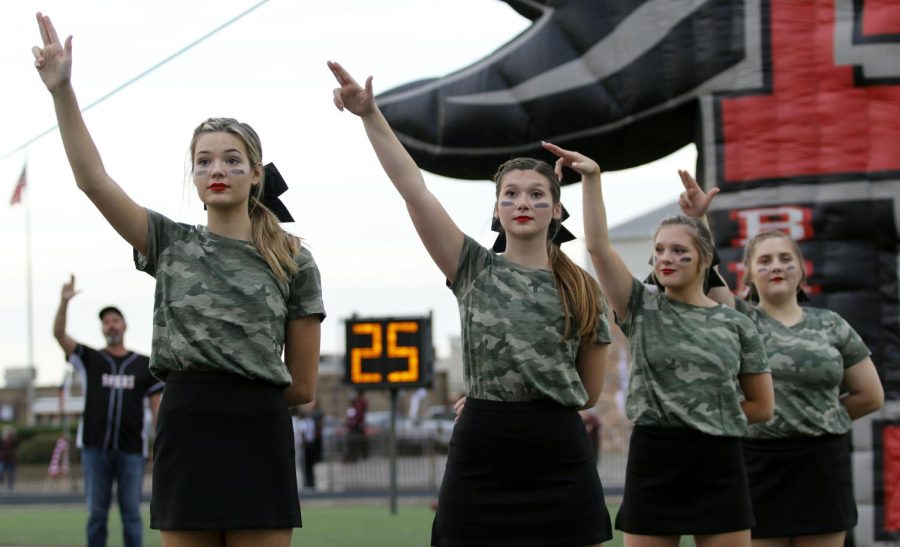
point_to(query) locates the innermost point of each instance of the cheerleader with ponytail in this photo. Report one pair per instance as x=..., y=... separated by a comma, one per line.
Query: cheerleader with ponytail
x=520, y=471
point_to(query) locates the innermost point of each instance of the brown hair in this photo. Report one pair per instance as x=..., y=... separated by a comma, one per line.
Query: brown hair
x=700, y=236
x=277, y=247
x=750, y=250
x=580, y=293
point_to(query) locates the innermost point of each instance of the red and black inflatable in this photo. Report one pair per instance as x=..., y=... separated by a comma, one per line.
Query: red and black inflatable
x=794, y=106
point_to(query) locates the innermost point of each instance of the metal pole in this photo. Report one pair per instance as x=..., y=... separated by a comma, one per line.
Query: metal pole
x=392, y=451
x=29, y=394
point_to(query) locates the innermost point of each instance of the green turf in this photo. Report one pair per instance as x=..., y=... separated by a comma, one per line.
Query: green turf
x=324, y=526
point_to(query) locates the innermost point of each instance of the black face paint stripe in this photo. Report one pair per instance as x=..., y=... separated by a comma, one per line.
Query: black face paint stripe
x=506, y=204
x=238, y=172
x=542, y=205
x=201, y=173
x=686, y=259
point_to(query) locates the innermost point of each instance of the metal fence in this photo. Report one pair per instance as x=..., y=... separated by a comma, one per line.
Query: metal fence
x=347, y=467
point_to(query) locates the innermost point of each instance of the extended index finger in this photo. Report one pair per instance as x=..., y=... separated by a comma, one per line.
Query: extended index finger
x=51, y=30
x=340, y=73
x=688, y=181
x=561, y=152
x=45, y=37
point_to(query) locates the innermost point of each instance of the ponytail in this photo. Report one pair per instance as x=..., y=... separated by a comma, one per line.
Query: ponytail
x=277, y=247
x=580, y=294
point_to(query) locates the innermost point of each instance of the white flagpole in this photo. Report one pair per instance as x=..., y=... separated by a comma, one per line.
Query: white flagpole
x=28, y=275
x=28, y=296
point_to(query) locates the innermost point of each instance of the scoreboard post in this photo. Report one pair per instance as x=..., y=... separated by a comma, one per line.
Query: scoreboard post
x=389, y=353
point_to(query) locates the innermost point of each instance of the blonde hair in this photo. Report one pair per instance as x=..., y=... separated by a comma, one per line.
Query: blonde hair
x=580, y=293
x=278, y=248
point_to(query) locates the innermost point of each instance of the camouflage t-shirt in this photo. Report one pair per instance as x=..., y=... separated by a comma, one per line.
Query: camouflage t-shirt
x=512, y=328
x=218, y=306
x=808, y=361
x=685, y=363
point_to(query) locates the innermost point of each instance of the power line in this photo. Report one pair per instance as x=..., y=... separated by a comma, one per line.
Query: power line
x=171, y=57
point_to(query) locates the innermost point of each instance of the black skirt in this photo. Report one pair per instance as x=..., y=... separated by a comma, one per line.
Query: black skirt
x=679, y=481
x=800, y=486
x=224, y=456
x=520, y=474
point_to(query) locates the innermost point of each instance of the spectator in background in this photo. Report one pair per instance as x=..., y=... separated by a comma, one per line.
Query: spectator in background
x=9, y=444
x=113, y=437
x=357, y=446
x=415, y=402
x=297, y=428
x=311, y=426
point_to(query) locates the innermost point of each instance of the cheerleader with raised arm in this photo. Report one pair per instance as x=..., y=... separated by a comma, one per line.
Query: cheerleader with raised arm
x=798, y=463
x=698, y=377
x=520, y=470
x=230, y=297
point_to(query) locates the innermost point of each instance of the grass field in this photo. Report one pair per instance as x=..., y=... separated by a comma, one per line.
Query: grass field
x=324, y=526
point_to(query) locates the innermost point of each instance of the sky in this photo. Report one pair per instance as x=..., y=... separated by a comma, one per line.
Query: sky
x=267, y=69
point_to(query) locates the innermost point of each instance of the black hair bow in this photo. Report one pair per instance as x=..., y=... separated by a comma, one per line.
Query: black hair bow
x=559, y=237
x=275, y=186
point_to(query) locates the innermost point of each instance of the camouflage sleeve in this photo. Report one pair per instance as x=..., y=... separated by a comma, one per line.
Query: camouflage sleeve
x=753, y=352
x=161, y=231
x=635, y=302
x=848, y=342
x=472, y=259
x=305, y=297
x=602, y=331
x=743, y=306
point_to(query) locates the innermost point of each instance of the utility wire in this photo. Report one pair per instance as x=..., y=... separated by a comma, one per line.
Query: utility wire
x=178, y=53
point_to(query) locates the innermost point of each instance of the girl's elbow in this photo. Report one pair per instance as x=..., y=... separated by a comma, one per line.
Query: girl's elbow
x=764, y=415
x=299, y=395
x=595, y=250
x=878, y=398
x=875, y=401
x=90, y=183
x=760, y=412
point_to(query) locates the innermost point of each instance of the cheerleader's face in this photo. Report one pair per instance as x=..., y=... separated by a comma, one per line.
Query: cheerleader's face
x=775, y=269
x=676, y=260
x=222, y=172
x=525, y=204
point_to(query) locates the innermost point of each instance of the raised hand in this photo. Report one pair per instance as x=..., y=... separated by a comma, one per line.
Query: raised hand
x=54, y=61
x=68, y=289
x=694, y=201
x=358, y=100
x=583, y=165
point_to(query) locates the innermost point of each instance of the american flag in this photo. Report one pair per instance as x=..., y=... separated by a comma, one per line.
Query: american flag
x=20, y=187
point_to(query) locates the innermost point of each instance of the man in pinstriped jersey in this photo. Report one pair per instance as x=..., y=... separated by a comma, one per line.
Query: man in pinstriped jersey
x=112, y=433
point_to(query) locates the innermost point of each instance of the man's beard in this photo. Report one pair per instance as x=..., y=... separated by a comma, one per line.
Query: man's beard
x=113, y=338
